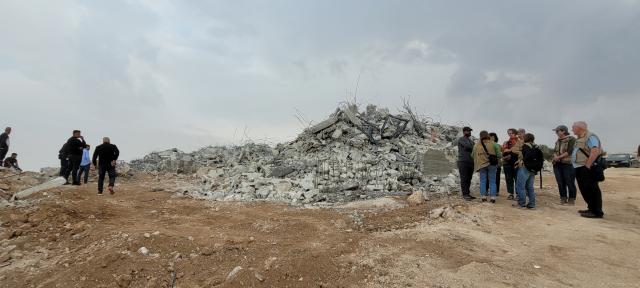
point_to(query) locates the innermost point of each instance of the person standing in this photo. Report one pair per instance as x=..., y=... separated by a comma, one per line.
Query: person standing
x=526, y=173
x=486, y=158
x=562, y=166
x=465, y=163
x=509, y=160
x=75, y=146
x=63, y=155
x=4, y=143
x=587, y=149
x=85, y=164
x=104, y=158
x=498, y=149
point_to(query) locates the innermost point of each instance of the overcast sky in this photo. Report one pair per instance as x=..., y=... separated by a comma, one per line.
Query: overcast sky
x=158, y=74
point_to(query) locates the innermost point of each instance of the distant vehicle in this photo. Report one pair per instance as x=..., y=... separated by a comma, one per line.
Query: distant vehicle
x=619, y=160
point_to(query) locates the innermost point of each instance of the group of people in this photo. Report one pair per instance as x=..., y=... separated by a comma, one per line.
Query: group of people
x=75, y=161
x=10, y=162
x=575, y=159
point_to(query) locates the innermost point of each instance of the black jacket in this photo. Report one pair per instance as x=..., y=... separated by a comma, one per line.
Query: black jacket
x=75, y=146
x=64, y=152
x=3, y=141
x=105, y=153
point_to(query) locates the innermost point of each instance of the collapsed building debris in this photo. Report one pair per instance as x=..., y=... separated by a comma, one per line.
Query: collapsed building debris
x=351, y=155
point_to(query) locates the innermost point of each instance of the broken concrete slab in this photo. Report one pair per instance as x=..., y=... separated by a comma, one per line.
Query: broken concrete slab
x=57, y=182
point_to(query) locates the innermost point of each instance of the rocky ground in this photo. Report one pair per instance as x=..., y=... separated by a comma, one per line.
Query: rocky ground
x=71, y=237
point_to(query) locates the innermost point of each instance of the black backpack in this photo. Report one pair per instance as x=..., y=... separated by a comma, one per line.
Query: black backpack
x=533, y=158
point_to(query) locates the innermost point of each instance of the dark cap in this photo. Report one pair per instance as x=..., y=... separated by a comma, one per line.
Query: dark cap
x=561, y=128
x=466, y=128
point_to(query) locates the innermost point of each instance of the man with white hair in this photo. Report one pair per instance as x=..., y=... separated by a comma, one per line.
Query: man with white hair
x=585, y=152
x=104, y=158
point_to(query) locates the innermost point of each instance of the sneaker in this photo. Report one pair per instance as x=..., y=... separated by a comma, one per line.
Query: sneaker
x=571, y=202
x=99, y=193
x=467, y=198
x=510, y=197
x=563, y=201
x=591, y=215
x=531, y=207
x=111, y=190
x=484, y=199
x=493, y=201
x=516, y=205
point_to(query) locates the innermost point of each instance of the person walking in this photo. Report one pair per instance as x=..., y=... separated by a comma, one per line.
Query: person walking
x=562, y=166
x=465, y=163
x=75, y=146
x=4, y=143
x=85, y=164
x=509, y=160
x=529, y=156
x=587, y=149
x=104, y=158
x=486, y=160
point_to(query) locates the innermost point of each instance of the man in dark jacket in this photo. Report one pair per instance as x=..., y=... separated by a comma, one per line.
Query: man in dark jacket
x=4, y=143
x=104, y=158
x=465, y=163
x=75, y=146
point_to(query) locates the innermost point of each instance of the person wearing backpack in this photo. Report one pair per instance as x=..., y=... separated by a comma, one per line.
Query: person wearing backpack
x=587, y=161
x=562, y=166
x=531, y=164
x=486, y=160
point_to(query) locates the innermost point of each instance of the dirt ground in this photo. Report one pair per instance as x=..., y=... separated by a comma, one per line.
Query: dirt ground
x=75, y=238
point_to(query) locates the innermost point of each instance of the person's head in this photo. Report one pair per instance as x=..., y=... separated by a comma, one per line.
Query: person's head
x=467, y=131
x=493, y=136
x=529, y=138
x=484, y=135
x=579, y=128
x=561, y=131
x=14, y=155
x=7, y=130
x=512, y=132
x=76, y=133
x=106, y=140
x=521, y=133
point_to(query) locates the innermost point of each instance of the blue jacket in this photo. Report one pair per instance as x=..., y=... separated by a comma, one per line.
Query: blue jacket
x=86, y=158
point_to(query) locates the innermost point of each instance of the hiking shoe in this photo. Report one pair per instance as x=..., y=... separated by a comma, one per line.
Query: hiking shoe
x=531, y=207
x=516, y=205
x=591, y=215
x=510, y=197
x=563, y=201
x=111, y=190
x=493, y=201
x=571, y=202
x=484, y=199
x=468, y=198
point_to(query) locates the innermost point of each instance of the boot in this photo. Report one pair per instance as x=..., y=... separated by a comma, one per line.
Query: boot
x=571, y=202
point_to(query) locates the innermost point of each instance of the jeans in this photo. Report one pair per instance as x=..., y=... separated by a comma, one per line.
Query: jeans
x=590, y=190
x=510, y=176
x=74, y=165
x=566, y=178
x=525, y=187
x=498, y=171
x=85, y=170
x=488, y=172
x=64, y=166
x=101, y=173
x=466, y=173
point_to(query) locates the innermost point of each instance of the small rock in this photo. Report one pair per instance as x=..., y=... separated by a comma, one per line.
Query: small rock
x=190, y=238
x=232, y=275
x=259, y=276
x=144, y=251
x=536, y=266
x=416, y=198
x=147, y=235
x=156, y=233
x=436, y=213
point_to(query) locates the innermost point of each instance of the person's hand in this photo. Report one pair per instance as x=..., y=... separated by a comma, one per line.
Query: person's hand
x=588, y=165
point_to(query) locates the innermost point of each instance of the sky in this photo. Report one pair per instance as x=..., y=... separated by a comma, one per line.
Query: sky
x=154, y=74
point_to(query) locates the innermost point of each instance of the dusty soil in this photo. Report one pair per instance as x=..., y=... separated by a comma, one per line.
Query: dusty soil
x=75, y=238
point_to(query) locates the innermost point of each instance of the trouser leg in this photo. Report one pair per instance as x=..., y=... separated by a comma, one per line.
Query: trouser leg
x=483, y=173
x=531, y=194
x=101, y=174
x=112, y=176
x=520, y=186
x=559, y=173
x=493, y=187
x=509, y=178
x=570, y=180
x=582, y=184
x=466, y=173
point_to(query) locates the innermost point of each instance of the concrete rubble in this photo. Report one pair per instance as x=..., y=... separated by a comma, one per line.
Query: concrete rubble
x=352, y=155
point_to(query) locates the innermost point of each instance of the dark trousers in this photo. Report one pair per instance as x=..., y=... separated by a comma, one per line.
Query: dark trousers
x=590, y=190
x=510, y=176
x=74, y=165
x=64, y=166
x=84, y=169
x=101, y=173
x=498, y=171
x=466, y=173
x=566, y=178
x=3, y=153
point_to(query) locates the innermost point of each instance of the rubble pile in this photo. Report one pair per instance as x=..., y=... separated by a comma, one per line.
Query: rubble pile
x=351, y=155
